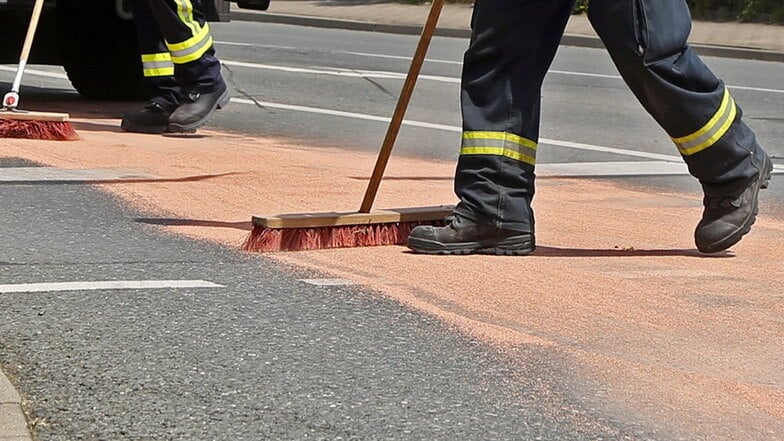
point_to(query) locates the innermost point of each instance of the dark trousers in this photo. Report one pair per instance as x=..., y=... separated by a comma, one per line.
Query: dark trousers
x=176, y=49
x=512, y=47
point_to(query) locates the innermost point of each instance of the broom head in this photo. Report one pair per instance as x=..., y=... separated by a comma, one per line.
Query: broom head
x=36, y=125
x=315, y=231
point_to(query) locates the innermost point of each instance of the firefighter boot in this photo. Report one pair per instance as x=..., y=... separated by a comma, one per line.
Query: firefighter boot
x=154, y=118
x=729, y=215
x=197, y=108
x=463, y=236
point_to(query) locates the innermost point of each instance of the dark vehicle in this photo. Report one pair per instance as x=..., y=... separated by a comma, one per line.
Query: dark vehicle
x=94, y=40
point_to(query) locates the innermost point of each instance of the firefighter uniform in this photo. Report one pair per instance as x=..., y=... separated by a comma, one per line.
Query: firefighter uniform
x=512, y=46
x=178, y=58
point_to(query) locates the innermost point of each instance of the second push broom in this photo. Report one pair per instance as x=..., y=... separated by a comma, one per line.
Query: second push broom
x=310, y=231
x=15, y=123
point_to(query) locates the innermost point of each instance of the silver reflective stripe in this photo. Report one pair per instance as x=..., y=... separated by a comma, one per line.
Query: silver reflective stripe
x=157, y=64
x=711, y=132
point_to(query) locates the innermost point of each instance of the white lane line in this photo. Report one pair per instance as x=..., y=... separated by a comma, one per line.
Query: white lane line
x=355, y=73
x=35, y=174
x=455, y=129
x=339, y=72
x=108, y=285
x=327, y=282
x=574, y=145
x=611, y=168
x=361, y=54
x=452, y=62
x=358, y=73
x=40, y=73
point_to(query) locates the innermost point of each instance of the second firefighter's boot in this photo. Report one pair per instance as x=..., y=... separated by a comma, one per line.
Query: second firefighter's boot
x=462, y=236
x=154, y=118
x=730, y=214
x=197, y=108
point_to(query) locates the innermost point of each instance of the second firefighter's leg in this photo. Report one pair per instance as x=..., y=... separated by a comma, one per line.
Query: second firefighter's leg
x=647, y=40
x=512, y=46
x=158, y=72
x=196, y=68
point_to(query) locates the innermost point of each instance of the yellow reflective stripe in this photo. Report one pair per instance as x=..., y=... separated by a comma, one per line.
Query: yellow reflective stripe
x=159, y=72
x=505, y=136
x=499, y=151
x=157, y=65
x=716, y=136
x=711, y=132
x=185, y=12
x=194, y=55
x=503, y=144
x=149, y=58
x=184, y=45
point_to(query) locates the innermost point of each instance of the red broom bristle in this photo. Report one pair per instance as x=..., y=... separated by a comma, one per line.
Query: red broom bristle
x=34, y=129
x=266, y=240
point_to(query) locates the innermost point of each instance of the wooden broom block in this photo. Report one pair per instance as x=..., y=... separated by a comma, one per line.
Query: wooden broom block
x=333, y=219
x=25, y=115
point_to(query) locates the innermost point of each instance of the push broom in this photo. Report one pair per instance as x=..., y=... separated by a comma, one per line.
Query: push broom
x=15, y=123
x=310, y=231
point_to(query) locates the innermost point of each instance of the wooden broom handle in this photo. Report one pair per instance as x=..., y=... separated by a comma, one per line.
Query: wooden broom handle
x=28, y=43
x=402, y=105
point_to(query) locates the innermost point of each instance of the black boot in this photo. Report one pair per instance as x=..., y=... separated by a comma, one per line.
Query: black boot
x=152, y=119
x=197, y=108
x=730, y=214
x=462, y=236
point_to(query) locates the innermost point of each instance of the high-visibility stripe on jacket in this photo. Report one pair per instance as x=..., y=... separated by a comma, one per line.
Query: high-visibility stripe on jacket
x=157, y=65
x=192, y=48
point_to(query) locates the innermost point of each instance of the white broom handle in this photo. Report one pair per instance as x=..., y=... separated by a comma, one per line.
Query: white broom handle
x=28, y=44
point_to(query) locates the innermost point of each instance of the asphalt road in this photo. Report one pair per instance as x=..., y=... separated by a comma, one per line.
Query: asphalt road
x=256, y=353
x=261, y=355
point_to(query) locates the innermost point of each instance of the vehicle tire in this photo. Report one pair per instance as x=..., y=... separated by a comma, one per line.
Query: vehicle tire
x=99, y=52
x=260, y=5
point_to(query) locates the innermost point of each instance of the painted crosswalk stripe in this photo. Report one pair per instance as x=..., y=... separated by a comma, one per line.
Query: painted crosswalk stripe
x=105, y=285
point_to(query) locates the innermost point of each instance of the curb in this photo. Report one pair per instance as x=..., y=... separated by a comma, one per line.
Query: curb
x=567, y=40
x=13, y=425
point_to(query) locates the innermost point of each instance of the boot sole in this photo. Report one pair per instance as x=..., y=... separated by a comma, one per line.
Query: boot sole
x=191, y=127
x=738, y=234
x=511, y=246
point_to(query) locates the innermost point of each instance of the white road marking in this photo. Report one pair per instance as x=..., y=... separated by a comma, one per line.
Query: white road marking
x=308, y=109
x=358, y=73
x=456, y=129
x=453, y=62
x=40, y=73
x=108, y=285
x=339, y=72
x=611, y=168
x=34, y=174
x=327, y=282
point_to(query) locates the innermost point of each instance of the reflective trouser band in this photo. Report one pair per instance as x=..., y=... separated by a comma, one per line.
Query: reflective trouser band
x=711, y=132
x=192, y=48
x=157, y=65
x=499, y=144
